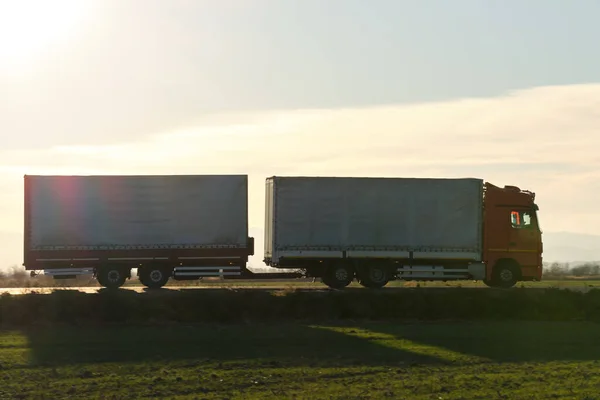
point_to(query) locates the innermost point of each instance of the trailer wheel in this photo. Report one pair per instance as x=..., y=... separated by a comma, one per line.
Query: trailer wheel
x=374, y=277
x=154, y=277
x=100, y=279
x=141, y=279
x=338, y=276
x=111, y=277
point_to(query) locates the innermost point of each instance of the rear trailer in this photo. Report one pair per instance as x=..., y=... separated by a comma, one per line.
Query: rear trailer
x=375, y=229
x=171, y=226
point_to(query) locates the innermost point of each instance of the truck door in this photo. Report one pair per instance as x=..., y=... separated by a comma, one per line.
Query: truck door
x=524, y=238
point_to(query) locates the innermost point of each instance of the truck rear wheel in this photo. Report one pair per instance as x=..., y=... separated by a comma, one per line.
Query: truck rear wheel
x=338, y=276
x=154, y=277
x=374, y=277
x=111, y=277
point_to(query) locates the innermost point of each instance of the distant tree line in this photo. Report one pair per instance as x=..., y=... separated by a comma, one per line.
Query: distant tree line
x=565, y=270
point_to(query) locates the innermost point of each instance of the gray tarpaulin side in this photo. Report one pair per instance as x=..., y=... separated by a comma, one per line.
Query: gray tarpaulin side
x=93, y=211
x=393, y=213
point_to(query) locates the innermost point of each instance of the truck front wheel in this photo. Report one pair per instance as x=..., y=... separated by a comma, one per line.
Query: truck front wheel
x=154, y=277
x=111, y=277
x=338, y=276
x=374, y=277
x=505, y=275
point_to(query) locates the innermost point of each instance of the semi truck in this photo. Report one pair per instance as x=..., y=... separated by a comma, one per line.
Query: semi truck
x=373, y=230
x=378, y=229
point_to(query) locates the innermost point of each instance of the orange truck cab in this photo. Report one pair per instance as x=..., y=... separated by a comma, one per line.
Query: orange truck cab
x=512, y=238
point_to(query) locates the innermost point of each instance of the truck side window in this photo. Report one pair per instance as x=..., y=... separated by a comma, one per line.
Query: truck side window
x=521, y=219
x=514, y=219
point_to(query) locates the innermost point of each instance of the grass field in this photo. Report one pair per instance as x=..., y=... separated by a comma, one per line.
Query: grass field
x=491, y=360
x=413, y=343
x=254, y=306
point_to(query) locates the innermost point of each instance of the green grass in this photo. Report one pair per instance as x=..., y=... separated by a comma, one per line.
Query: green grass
x=301, y=344
x=491, y=360
x=247, y=305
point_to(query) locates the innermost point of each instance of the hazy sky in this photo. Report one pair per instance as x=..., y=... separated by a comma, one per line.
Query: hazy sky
x=504, y=90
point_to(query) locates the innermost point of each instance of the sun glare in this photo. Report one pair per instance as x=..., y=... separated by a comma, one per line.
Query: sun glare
x=29, y=28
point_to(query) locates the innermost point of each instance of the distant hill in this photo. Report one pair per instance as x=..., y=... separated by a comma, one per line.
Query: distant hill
x=571, y=247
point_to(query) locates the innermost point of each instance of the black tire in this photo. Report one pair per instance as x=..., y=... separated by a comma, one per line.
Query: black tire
x=505, y=275
x=111, y=277
x=338, y=276
x=154, y=277
x=100, y=279
x=141, y=279
x=374, y=277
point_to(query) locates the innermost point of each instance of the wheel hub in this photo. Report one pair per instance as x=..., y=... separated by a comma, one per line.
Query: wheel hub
x=377, y=274
x=506, y=275
x=156, y=275
x=113, y=276
x=341, y=274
